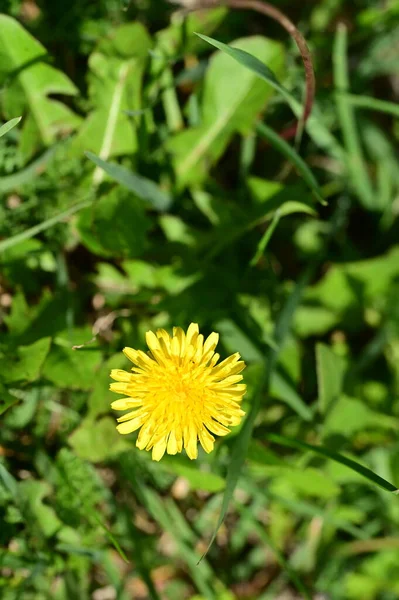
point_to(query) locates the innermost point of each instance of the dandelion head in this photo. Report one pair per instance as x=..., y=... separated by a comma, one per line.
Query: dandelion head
x=178, y=393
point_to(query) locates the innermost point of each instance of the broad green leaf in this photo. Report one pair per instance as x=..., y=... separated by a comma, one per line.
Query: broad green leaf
x=350, y=415
x=233, y=97
x=330, y=376
x=116, y=225
x=253, y=63
x=87, y=440
x=72, y=369
x=198, y=479
x=30, y=80
x=317, y=130
x=115, y=80
x=99, y=401
x=9, y=125
x=141, y=186
x=304, y=482
x=6, y=399
x=284, y=391
x=323, y=451
x=31, y=502
x=27, y=364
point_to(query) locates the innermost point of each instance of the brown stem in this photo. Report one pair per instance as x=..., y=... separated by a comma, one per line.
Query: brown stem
x=271, y=11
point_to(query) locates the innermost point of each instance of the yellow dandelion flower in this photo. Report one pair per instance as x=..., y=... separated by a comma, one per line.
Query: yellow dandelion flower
x=178, y=394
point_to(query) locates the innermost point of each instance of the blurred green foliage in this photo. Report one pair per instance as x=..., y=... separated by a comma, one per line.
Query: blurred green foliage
x=145, y=187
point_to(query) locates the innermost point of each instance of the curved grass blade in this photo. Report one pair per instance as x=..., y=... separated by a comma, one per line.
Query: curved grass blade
x=9, y=125
x=314, y=125
x=32, y=231
x=140, y=186
x=355, y=159
x=242, y=440
x=290, y=153
x=266, y=539
x=251, y=62
x=112, y=539
x=339, y=458
x=370, y=103
x=11, y=182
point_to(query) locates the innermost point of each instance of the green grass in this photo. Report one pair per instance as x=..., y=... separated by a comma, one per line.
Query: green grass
x=144, y=184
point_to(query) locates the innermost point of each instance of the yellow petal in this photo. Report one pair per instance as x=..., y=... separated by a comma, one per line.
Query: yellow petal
x=119, y=388
x=207, y=440
x=211, y=342
x=192, y=333
x=172, y=443
x=129, y=426
x=120, y=375
x=125, y=403
x=159, y=449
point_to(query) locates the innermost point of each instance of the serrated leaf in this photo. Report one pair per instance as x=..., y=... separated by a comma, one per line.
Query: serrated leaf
x=88, y=439
x=115, y=79
x=28, y=362
x=30, y=81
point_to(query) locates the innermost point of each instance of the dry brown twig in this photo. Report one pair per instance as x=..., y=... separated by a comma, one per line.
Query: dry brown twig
x=274, y=13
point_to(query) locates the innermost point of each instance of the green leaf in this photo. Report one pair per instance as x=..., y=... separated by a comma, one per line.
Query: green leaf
x=285, y=392
x=6, y=399
x=72, y=369
x=28, y=362
x=323, y=451
x=292, y=155
x=115, y=80
x=318, y=131
x=88, y=439
x=198, y=479
x=330, y=376
x=9, y=125
x=350, y=415
x=232, y=99
x=141, y=186
x=250, y=62
x=31, y=495
x=116, y=225
x=30, y=81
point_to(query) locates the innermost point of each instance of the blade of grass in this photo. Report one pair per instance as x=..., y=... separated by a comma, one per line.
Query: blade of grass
x=111, y=538
x=335, y=456
x=266, y=539
x=241, y=443
x=265, y=239
x=140, y=186
x=355, y=160
x=200, y=573
x=292, y=155
x=32, y=231
x=11, y=182
x=373, y=104
x=9, y=125
x=314, y=125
